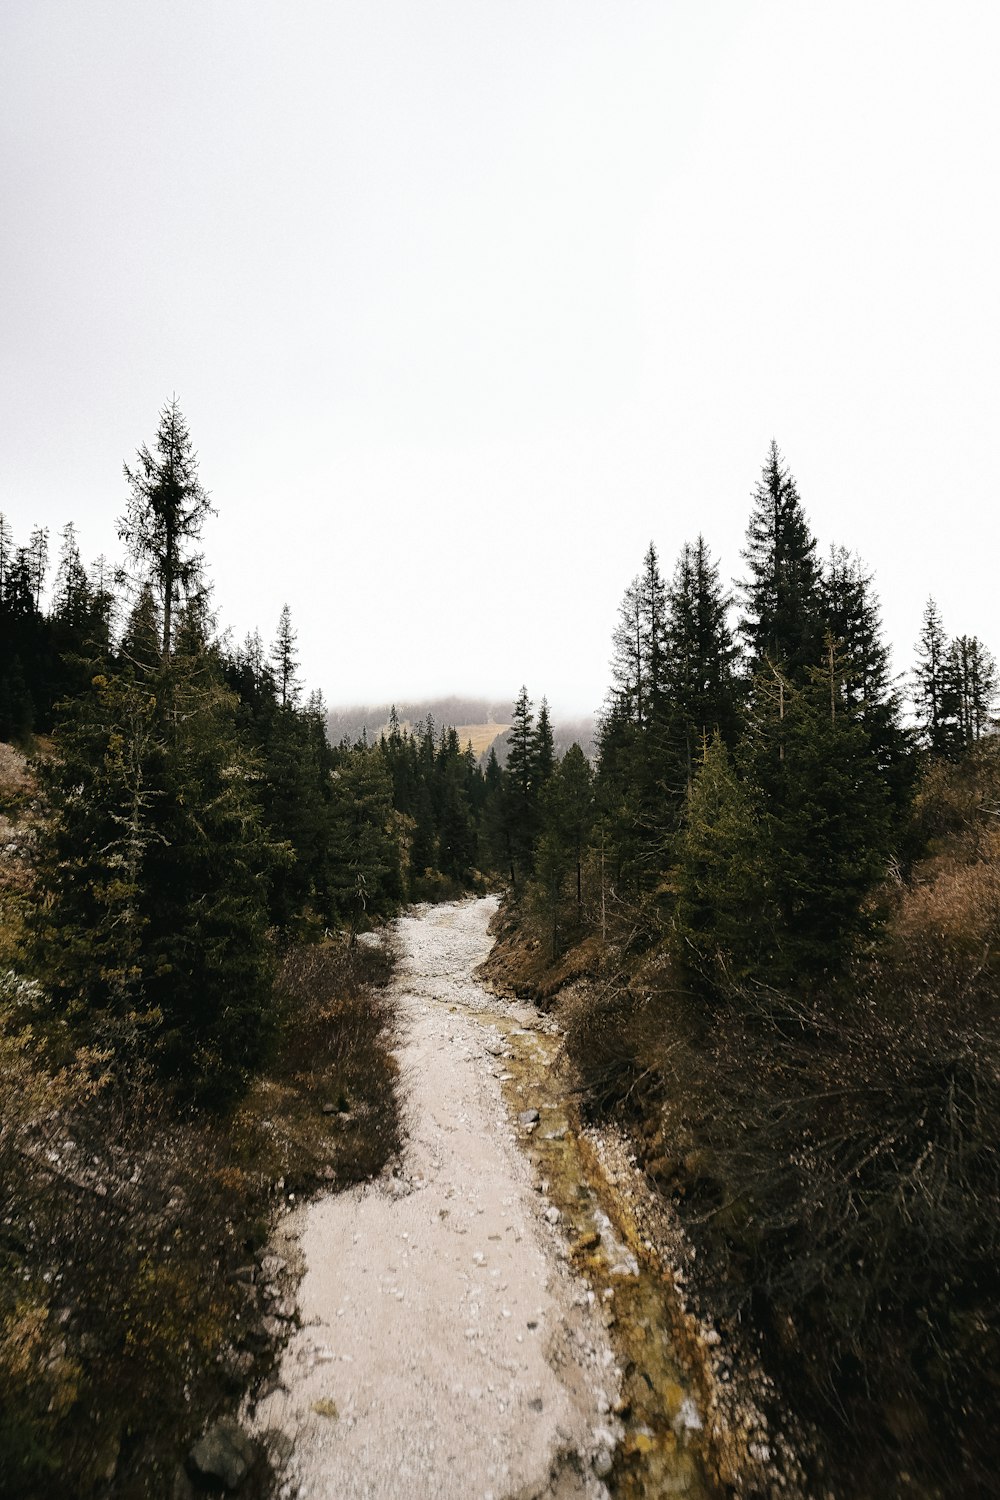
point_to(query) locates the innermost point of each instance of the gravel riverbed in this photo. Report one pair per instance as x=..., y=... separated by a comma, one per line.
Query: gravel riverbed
x=446, y=1349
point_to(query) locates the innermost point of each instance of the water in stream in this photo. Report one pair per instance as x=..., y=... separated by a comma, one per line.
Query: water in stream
x=659, y=1453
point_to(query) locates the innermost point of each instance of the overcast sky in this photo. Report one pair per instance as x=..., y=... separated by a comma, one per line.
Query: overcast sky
x=467, y=300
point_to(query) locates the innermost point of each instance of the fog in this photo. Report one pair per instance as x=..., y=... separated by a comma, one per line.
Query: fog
x=465, y=303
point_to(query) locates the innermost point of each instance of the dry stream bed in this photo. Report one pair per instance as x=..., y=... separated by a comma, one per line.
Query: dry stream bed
x=485, y=1321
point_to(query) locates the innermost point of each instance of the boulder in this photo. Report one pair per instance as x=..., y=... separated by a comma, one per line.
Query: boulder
x=603, y=1463
x=225, y=1453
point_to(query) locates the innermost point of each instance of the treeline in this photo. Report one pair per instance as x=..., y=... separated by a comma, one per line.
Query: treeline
x=198, y=821
x=786, y=886
x=724, y=752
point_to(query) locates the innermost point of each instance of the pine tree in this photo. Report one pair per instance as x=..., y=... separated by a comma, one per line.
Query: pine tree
x=652, y=609
x=79, y=622
x=156, y=864
x=71, y=593
x=25, y=688
x=866, y=686
x=494, y=833
x=568, y=817
x=521, y=792
x=824, y=819
x=163, y=522
x=782, y=623
x=285, y=662
x=157, y=857
x=632, y=847
x=637, y=773
x=637, y=661
x=295, y=797
x=456, y=839
x=543, y=755
x=364, y=852
x=969, y=676
x=930, y=688
x=701, y=692
x=627, y=696
x=722, y=919
x=7, y=552
x=781, y=852
x=423, y=843
x=206, y=883
x=37, y=554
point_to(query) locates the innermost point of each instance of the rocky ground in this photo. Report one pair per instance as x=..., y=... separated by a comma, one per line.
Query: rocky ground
x=446, y=1347
x=505, y=1314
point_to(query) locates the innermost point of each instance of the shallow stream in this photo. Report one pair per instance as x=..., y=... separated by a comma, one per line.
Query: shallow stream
x=658, y=1454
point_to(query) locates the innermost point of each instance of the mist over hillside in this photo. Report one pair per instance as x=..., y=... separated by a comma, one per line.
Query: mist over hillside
x=480, y=714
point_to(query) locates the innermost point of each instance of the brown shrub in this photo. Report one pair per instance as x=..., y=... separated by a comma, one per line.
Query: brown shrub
x=835, y=1158
x=127, y=1314
x=944, y=936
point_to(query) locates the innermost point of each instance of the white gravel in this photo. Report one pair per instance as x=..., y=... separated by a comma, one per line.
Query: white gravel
x=447, y=1350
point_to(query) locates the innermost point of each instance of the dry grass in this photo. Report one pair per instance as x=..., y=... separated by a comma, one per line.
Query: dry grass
x=326, y=1111
x=15, y=779
x=481, y=736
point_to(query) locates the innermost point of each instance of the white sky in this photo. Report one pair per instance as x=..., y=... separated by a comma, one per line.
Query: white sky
x=466, y=300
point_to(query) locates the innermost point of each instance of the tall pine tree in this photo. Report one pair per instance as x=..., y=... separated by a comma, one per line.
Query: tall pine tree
x=166, y=513
x=701, y=690
x=782, y=623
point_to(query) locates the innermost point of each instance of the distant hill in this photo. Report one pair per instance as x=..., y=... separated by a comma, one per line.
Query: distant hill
x=465, y=714
x=480, y=720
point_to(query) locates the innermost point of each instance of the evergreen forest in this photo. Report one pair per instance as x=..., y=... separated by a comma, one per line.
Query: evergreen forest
x=767, y=911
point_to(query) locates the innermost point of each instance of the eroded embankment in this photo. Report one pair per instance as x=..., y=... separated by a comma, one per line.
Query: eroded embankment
x=475, y=1324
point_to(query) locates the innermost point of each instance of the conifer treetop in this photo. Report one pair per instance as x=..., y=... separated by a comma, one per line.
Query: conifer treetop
x=165, y=514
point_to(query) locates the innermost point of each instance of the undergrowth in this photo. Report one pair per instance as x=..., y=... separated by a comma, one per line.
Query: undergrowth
x=833, y=1152
x=129, y=1311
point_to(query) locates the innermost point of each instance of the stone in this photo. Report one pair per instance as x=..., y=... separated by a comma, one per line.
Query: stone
x=528, y=1117
x=552, y=1214
x=687, y=1418
x=602, y=1463
x=225, y=1453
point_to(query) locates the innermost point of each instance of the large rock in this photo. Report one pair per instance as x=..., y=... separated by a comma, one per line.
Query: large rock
x=225, y=1453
